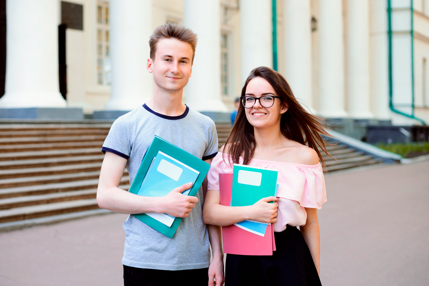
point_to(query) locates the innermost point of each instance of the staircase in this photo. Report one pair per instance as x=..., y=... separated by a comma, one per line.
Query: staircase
x=49, y=172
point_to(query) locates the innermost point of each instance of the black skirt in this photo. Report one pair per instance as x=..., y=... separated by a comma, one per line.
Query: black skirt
x=291, y=264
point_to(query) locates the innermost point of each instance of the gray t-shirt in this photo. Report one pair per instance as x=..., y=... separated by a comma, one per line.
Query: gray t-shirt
x=129, y=137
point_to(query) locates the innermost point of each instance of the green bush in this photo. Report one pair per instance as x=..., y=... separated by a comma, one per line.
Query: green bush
x=405, y=149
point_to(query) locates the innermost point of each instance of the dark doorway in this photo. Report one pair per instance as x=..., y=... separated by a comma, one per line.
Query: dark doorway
x=2, y=46
x=62, y=65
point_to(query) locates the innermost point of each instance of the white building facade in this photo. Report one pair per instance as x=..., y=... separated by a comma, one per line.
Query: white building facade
x=356, y=59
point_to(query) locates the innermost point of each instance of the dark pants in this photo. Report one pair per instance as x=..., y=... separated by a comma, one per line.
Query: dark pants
x=150, y=277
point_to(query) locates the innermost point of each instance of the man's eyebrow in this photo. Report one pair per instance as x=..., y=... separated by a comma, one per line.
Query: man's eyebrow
x=170, y=56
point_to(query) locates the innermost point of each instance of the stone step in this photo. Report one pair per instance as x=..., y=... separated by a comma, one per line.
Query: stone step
x=49, y=162
x=37, y=211
x=50, y=198
x=343, y=156
x=46, y=171
x=15, y=225
x=51, y=140
x=53, y=179
x=49, y=154
x=340, y=151
x=54, y=188
x=341, y=167
x=50, y=146
x=52, y=127
x=349, y=160
x=52, y=133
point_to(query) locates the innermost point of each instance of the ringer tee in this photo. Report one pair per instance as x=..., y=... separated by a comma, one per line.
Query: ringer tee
x=129, y=137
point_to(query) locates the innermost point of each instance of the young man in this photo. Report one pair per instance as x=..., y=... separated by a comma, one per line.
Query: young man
x=151, y=258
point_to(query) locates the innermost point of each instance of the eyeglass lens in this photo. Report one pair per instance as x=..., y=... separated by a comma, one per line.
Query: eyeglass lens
x=264, y=101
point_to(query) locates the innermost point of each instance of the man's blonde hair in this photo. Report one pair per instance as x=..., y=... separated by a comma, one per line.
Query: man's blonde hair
x=175, y=31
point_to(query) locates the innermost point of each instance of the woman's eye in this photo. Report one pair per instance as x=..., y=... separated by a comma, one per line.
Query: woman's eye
x=268, y=98
x=249, y=99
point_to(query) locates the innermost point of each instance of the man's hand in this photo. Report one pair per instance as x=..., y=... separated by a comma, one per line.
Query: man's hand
x=176, y=204
x=263, y=211
x=216, y=277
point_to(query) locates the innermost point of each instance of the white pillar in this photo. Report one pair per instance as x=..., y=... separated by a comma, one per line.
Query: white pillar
x=130, y=29
x=358, y=77
x=297, y=49
x=32, y=55
x=379, y=60
x=203, y=91
x=331, y=69
x=256, y=35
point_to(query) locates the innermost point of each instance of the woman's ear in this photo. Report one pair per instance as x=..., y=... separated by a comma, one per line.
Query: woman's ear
x=284, y=108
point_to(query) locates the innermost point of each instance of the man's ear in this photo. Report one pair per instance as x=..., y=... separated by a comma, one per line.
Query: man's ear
x=149, y=65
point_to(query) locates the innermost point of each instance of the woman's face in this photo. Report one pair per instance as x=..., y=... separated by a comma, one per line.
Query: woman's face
x=258, y=115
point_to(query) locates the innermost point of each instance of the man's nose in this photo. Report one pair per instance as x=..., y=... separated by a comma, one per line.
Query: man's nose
x=174, y=68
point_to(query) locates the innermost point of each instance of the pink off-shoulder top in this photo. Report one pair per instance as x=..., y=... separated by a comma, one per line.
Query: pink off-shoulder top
x=300, y=186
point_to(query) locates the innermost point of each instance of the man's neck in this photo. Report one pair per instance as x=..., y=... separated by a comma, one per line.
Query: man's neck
x=167, y=103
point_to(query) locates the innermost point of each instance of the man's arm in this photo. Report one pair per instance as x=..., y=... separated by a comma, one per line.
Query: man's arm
x=110, y=197
x=216, y=265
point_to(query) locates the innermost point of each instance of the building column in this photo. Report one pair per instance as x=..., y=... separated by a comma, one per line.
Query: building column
x=32, y=55
x=297, y=49
x=256, y=35
x=331, y=67
x=130, y=29
x=358, y=77
x=203, y=92
x=379, y=60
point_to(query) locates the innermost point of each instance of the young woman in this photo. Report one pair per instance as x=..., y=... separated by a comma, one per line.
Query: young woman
x=274, y=131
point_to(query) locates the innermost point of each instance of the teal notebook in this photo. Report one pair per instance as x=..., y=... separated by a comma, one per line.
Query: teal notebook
x=164, y=175
x=249, y=185
x=177, y=154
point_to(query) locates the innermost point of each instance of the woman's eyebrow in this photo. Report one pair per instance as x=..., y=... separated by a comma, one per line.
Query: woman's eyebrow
x=265, y=93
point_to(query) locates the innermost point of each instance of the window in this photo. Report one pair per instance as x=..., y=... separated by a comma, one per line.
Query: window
x=104, y=73
x=224, y=63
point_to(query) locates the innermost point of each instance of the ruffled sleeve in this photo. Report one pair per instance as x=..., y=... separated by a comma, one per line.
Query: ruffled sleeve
x=220, y=164
x=304, y=184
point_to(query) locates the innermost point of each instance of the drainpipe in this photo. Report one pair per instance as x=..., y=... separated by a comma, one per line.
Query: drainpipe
x=274, y=22
x=389, y=33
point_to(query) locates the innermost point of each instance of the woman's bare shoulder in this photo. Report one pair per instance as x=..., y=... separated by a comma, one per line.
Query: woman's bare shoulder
x=305, y=155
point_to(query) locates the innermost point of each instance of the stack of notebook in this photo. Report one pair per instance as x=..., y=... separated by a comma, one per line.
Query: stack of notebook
x=164, y=168
x=244, y=187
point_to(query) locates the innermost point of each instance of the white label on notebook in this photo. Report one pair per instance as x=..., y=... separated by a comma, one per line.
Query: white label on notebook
x=249, y=178
x=169, y=169
x=163, y=218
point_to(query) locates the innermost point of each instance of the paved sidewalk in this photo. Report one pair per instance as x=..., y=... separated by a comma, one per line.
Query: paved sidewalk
x=374, y=231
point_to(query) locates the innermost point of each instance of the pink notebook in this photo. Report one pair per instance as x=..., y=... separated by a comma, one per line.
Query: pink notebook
x=237, y=240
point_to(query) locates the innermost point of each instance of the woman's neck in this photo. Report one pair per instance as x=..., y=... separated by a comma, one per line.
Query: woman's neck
x=268, y=138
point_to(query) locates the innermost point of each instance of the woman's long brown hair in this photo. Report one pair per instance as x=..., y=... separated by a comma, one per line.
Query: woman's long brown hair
x=296, y=124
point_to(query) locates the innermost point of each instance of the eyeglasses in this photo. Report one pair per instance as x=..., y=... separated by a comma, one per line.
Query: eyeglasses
x=265, y=101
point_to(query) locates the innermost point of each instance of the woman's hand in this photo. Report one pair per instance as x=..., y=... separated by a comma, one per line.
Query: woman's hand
x=264, y=211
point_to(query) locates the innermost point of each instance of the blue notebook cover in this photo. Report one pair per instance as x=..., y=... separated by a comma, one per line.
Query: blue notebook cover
x=164, y=175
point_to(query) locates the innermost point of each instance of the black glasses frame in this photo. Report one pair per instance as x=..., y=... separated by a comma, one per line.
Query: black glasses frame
x=257, y=98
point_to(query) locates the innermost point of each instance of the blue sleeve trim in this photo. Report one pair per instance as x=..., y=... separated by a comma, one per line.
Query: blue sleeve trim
x=105, y=149
x=209, y=156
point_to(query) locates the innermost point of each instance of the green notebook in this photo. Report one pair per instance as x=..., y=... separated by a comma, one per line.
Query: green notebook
x=250, y=184
x=159, y=144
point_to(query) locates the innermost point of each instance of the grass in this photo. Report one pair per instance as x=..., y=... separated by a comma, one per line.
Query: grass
x=405, y=149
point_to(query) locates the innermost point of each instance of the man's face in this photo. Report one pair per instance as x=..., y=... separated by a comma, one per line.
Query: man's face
x=172, y=65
